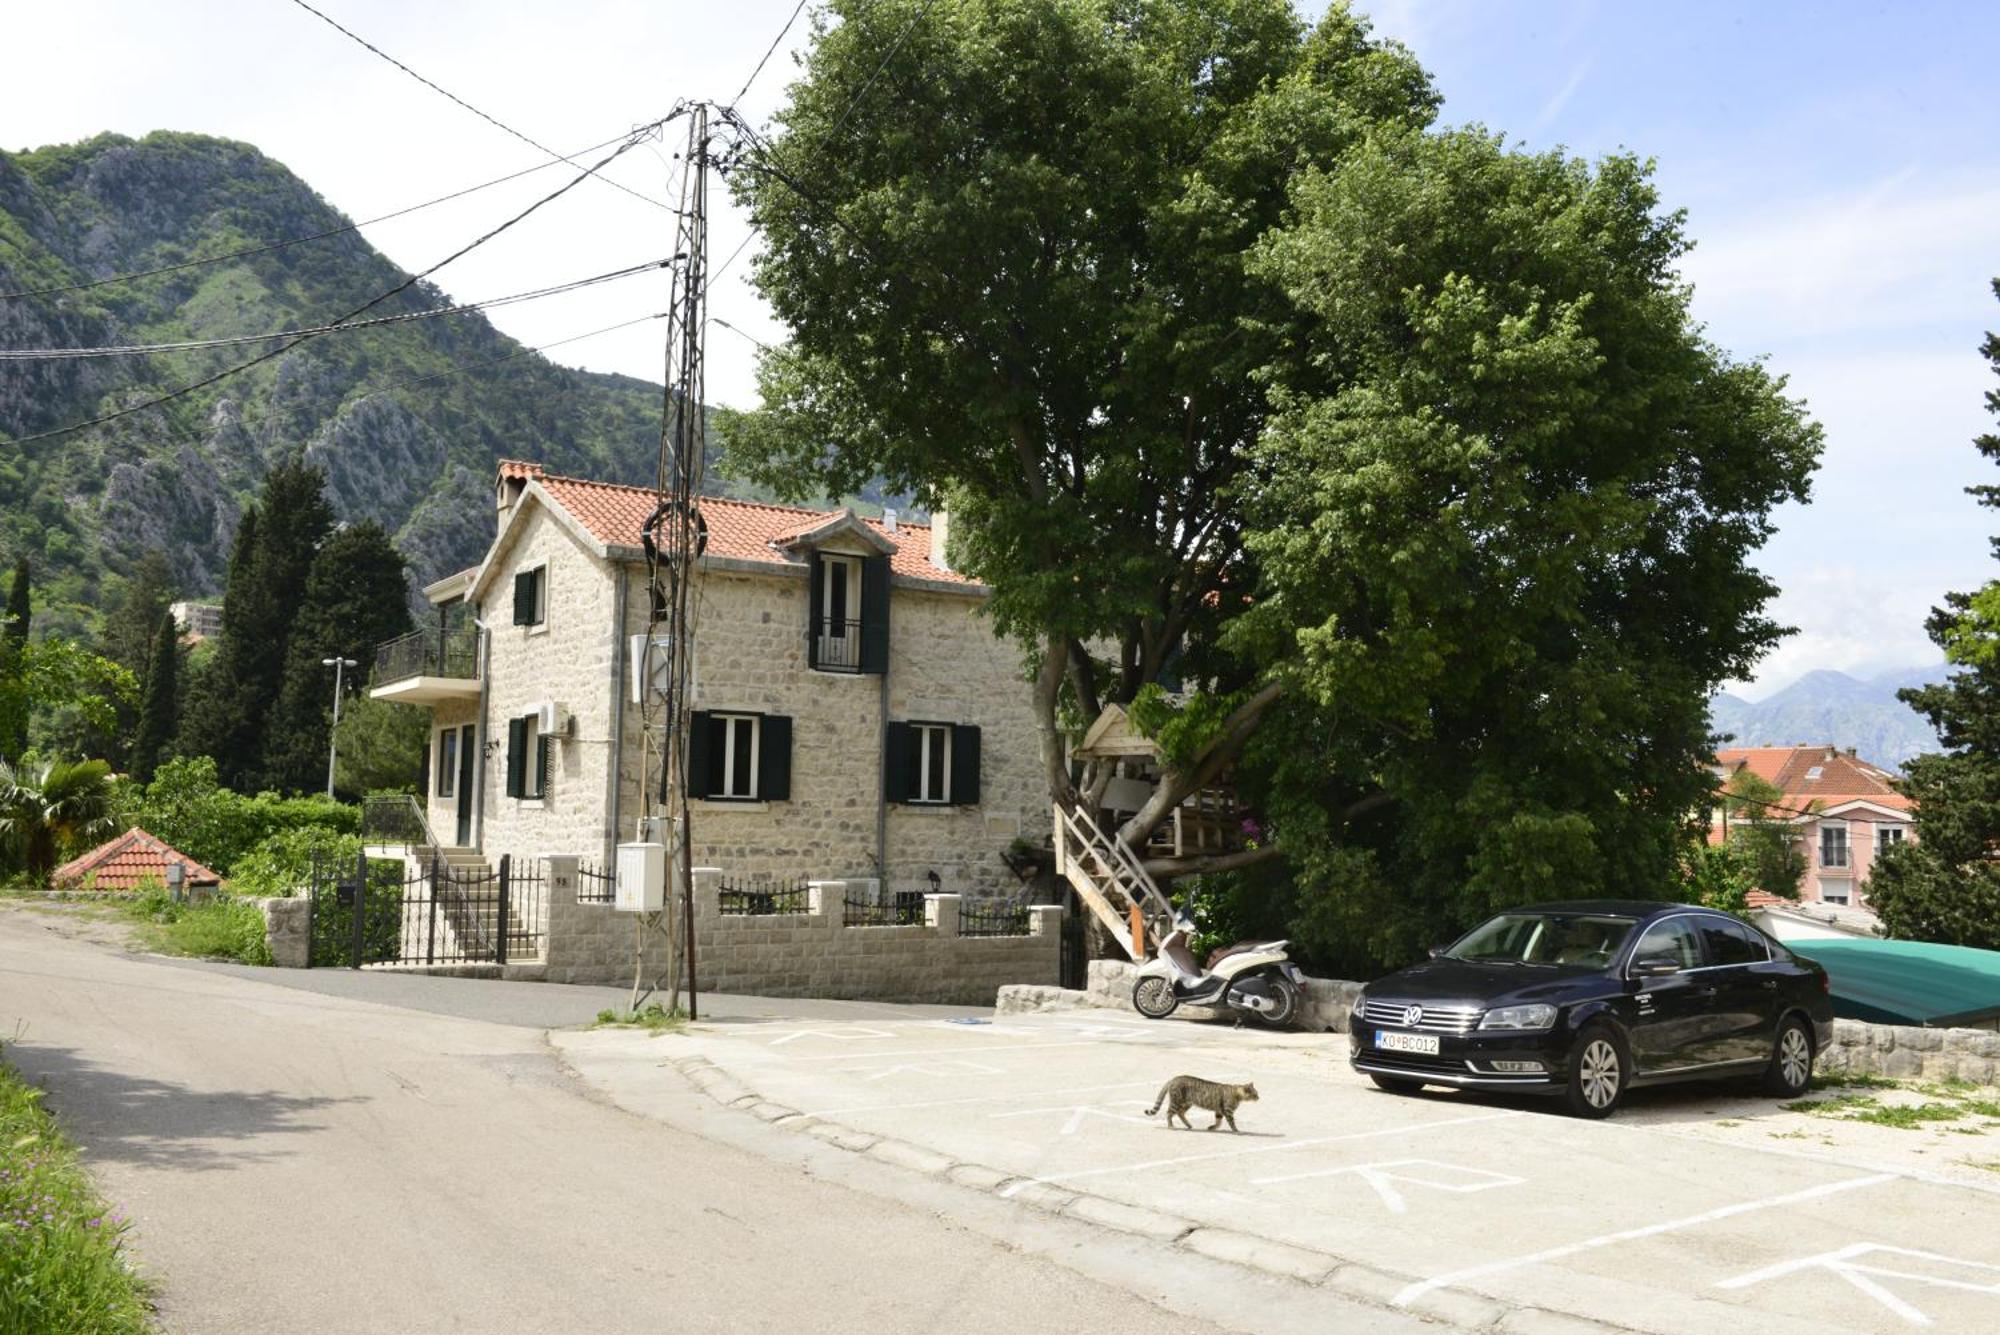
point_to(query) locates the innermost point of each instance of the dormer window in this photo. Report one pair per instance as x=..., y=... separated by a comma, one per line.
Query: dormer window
x=848, y=622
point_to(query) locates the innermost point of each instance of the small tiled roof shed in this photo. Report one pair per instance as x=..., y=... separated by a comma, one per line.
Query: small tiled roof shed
x=128, y=861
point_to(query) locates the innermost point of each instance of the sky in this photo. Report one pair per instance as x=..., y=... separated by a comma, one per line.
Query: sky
x=1835, y=160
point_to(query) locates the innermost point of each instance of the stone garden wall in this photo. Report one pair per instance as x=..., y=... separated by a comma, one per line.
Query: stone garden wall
x=812, y=954
x=1109, y=987
x=1903, y=1052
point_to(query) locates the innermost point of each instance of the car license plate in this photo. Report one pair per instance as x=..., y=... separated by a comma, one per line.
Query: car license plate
x=1424, y=1043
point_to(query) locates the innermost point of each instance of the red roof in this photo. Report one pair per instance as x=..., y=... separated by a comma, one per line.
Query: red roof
x=127, y=861
x=739, y=530
x=1823, y=774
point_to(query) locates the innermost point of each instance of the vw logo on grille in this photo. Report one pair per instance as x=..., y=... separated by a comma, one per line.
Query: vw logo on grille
x=1412, y=1015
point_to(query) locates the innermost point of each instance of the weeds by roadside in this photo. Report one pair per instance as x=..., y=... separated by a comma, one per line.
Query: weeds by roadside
x=1943, y=1101
x=62, y=1259
x=218, y=928
x=654, y=1019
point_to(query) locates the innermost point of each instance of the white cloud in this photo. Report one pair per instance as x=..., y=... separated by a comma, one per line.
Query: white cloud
x=1851, y=619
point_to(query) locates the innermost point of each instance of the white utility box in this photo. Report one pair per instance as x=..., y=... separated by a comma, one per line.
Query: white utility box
x=642, y=878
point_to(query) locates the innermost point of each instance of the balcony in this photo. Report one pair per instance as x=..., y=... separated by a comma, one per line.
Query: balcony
x=837, y=647
x=427, y=667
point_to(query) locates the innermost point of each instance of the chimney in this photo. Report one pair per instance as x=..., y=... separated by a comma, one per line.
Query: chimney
x=940, y=535
x=889, y=520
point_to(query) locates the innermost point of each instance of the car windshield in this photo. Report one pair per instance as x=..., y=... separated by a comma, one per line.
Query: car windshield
x=1556, y=940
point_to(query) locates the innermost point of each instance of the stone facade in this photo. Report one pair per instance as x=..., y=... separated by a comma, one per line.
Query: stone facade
x=1902, y=1052
x=813, y=954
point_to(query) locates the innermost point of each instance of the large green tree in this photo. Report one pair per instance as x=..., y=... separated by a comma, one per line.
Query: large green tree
x=159, y=707
x=234, y=697
x=1945, y=885
x=13, y=664
x=1011, y=239
x=354, y=598
x=1501, y=523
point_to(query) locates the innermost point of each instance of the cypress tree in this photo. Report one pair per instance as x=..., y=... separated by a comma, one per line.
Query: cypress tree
x=212, y=724
x=130, y=629
x=354, y=599
x=13, y=648
x=158, y=713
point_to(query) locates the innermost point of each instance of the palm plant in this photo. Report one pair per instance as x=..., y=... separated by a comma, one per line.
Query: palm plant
x=48, y=805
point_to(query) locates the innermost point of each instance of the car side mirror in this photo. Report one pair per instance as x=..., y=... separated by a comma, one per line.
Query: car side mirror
x=1436, y=951
x=1656, y=966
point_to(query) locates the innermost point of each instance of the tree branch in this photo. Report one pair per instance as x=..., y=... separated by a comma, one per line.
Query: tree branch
x=1168, y=869
x=1176, y=783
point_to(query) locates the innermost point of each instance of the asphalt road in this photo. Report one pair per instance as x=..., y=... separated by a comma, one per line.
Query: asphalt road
x=299, y=1158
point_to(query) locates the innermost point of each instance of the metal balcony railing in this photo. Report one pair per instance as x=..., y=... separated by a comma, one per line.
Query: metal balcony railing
x=837, y=648
x=428, y=653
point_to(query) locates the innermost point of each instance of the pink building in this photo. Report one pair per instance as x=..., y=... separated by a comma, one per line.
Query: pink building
x=1845, y=808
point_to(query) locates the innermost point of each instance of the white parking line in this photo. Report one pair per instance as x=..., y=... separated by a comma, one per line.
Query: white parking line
x=1260, y=1149
x=1381, y=1177
x=1864, y=1277
x=1415, y=1291
x=933, y=1052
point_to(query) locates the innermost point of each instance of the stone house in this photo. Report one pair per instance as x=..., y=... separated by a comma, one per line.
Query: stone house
x=1845, y=809
x=857, y=718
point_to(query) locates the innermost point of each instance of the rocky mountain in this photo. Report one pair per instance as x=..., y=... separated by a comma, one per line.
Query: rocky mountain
x=1836, y=709
x=407, y=420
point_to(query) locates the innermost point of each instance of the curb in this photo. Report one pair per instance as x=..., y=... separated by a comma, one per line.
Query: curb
x=1350, y=1279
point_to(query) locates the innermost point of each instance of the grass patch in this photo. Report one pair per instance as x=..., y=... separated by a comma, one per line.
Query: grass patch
x=1853, y=1080
x=1837, y=1106
x=62, y=1259
x=654, y=1019
x=220, y=927
x=1910, y=1116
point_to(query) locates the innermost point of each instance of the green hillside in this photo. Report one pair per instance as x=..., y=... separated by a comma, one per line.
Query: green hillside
x=417, y=457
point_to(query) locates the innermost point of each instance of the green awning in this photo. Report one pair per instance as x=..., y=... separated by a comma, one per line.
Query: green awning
x=1909, y=982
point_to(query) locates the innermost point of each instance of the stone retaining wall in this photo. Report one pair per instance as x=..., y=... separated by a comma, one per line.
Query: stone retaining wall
x=813, y=954
x=1903, y=1052
x=1109, y=987
x=288, y=930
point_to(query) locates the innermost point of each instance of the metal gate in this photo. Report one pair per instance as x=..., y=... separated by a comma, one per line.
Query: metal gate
x=416, y=911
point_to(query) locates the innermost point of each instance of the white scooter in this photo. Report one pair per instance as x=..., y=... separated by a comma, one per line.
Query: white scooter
x=1253, y=976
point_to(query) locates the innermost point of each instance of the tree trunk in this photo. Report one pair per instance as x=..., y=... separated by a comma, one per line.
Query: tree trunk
x=1177, y=784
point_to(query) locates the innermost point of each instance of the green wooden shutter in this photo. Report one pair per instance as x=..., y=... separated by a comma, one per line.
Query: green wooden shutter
x=875, y=614
x=541, y=767
x=517, y=754
x=698, y=755
x=899, y=768
x=815, y=611
x=964, y=765
x=774, y=758
x=524, y=598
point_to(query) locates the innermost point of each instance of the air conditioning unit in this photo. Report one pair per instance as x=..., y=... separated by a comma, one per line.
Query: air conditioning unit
x=553, y=719
x=641, y=886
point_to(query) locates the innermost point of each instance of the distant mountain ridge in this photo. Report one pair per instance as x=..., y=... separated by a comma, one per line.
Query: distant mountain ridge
x=408, y=420
x=1835, y=709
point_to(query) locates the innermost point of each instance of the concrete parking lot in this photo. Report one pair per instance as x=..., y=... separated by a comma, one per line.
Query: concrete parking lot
x=1429, y=1204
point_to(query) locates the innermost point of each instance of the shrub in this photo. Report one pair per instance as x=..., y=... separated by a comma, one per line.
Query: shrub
x=223, y=926
x=187, y=806
x=281, y=865
x=62, y=1266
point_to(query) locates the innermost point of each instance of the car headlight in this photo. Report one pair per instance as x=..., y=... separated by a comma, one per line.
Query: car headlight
x=1539, y=1016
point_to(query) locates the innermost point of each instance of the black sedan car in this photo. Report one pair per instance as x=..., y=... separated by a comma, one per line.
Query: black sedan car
x=1585, y=1000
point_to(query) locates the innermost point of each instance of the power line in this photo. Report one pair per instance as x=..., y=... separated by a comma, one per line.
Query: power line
x=362, y=309
x=248, y=251
x=313, y=331
x=491, y=120
x=463, y=367
x=773, y=49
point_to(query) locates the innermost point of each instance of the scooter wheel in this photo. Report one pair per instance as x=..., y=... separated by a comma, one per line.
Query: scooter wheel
x=1284, y=1004
x=1154, y=998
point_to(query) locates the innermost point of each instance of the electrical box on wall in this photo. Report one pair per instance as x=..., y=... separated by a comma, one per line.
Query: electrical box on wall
x=649, y=667
x=642, y=878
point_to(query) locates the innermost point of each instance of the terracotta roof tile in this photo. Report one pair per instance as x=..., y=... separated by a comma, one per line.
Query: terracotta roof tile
x=127, y=861
x=740, y=530
x=1823, y=774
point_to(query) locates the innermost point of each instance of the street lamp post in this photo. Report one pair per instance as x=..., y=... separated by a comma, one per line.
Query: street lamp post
x=339, y=665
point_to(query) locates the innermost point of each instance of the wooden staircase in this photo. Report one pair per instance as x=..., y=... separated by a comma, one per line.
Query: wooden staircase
x=1109, y=881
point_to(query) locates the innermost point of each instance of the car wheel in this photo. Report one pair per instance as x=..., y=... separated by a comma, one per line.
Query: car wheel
x=1154, y=998
x=1395, y=1084
x=1790, y=1072
x=1599, y=1070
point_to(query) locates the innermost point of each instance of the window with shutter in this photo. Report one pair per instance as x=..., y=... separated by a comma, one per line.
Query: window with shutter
x=897, y=767
x=774, y=758
x=964, y=765
x=874, y=620
x=517, y=754
x=540, y=776
x=700, y=749
x=531, y=596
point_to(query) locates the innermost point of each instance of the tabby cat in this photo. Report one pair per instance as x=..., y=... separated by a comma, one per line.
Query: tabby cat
x=1185, y=1091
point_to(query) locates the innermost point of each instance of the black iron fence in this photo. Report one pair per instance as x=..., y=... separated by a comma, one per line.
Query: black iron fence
x=747, y=898
x=903, y=909
x=992, y=917
x=595, y=884
x=837, y=646
x=409, y=911
x=392, y=819
x=427, y=653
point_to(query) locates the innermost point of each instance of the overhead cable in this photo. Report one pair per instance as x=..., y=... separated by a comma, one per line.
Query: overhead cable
x=313, y=331
x=636, y=137
x=771, y=51
x=489, y=119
